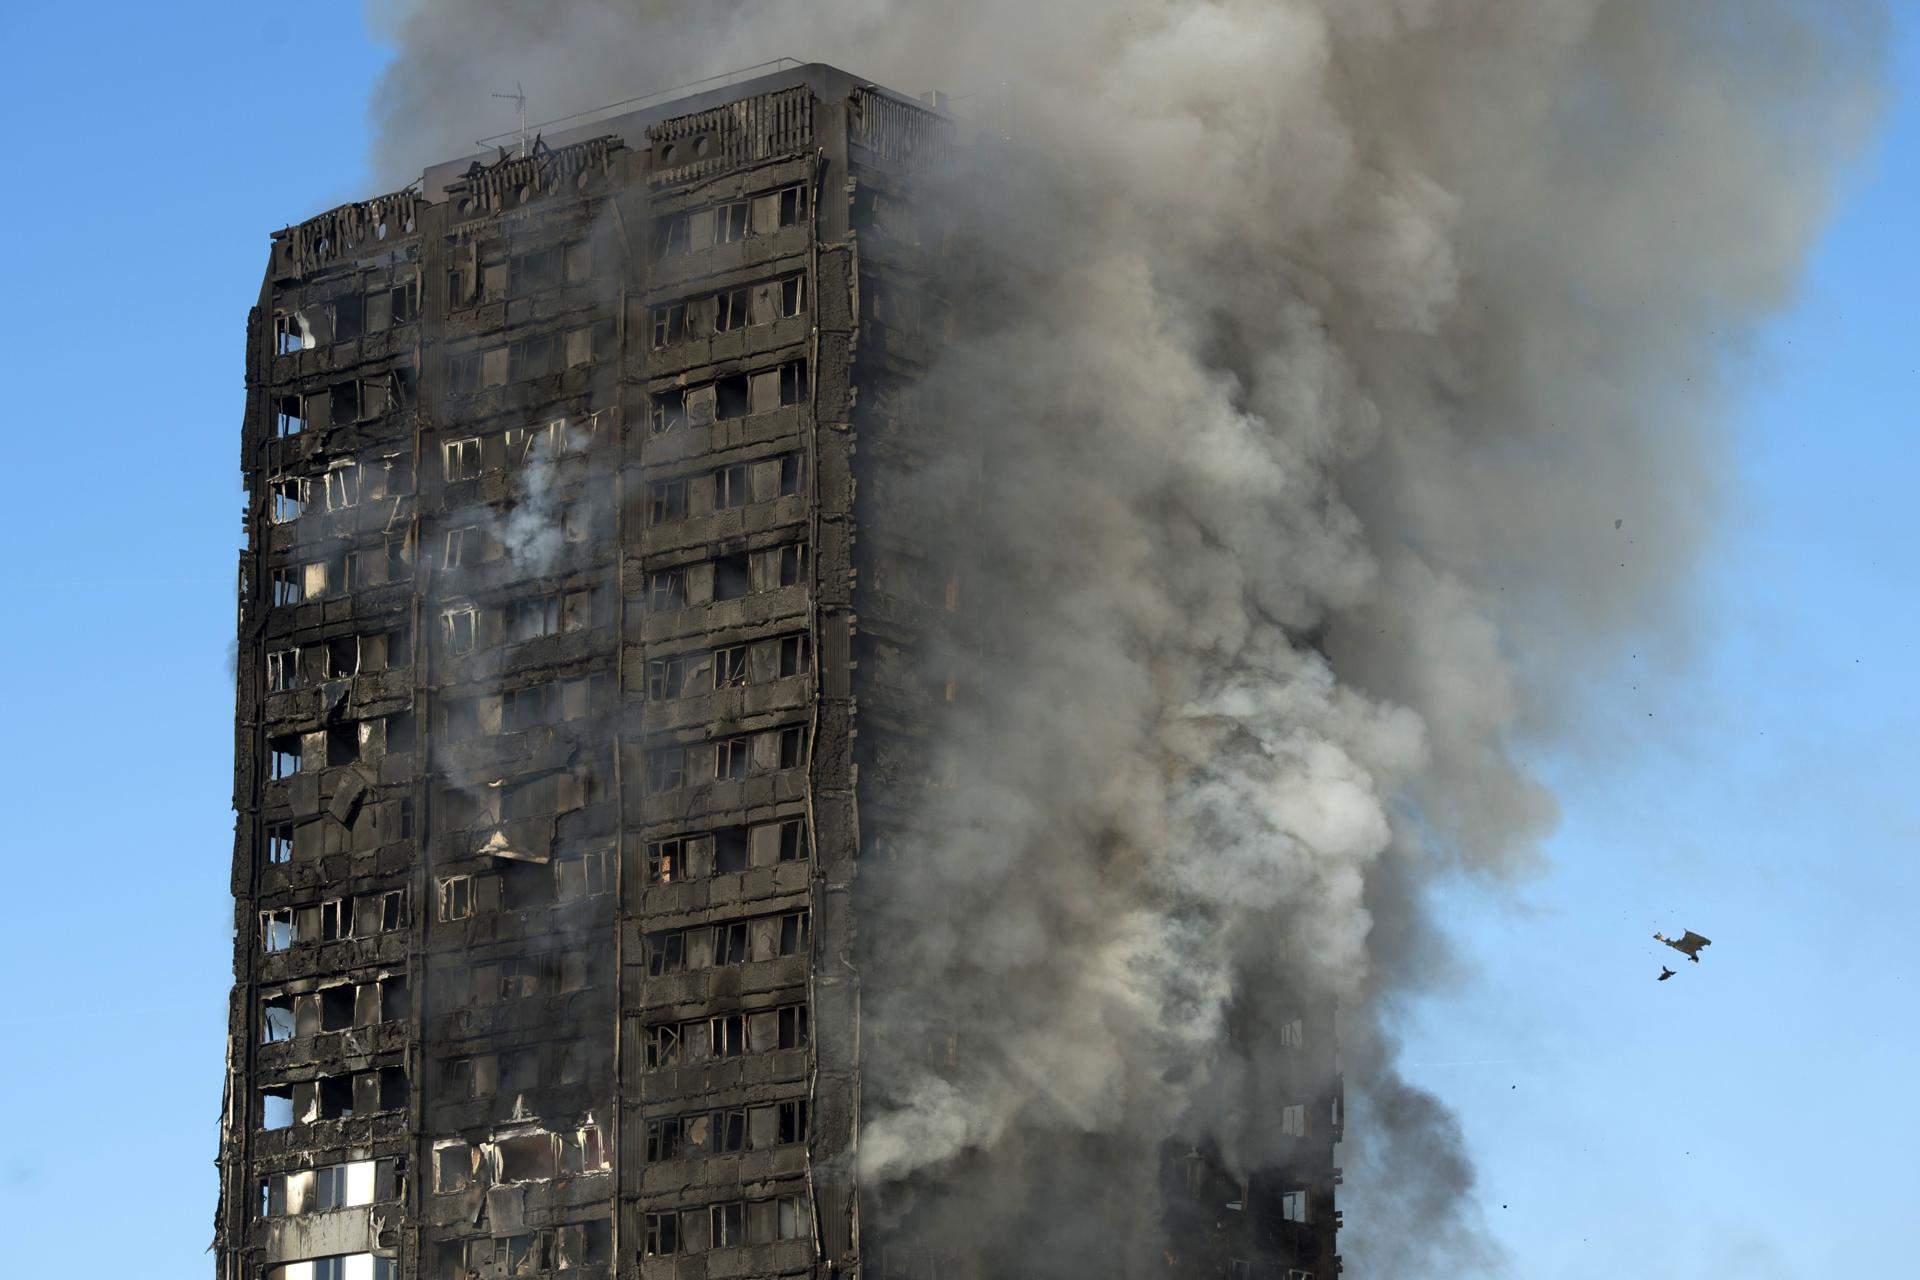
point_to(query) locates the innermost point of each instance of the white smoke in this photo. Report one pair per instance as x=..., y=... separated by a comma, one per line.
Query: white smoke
x=1316, y=347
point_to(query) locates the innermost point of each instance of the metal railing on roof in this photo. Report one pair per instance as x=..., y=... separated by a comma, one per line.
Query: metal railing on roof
x=720, y=81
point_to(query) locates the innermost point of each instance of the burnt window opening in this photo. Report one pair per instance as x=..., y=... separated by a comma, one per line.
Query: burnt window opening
x=343, y=744
x=452, y=1166
x=393, y=1002
x=669, y=325
x=792, y=1029
x=458, y=627
x=349, y=317
x=667, y=590
x=353, y=571
x=283, y=670
x=732, y=758
x=276, y=1107
x=665, y=1138
x=791, y=1121
x=400, y=733
x=730, y=845
x=727, y=1035
x=336, y=1007
x=793, y=296
x=456, y=897
x=276, y=1019
x=279, y=843
x=276, y=929
x=794, y=932
x=793, y=840
x=1293, y=1206
x=530, y=619
x=288, y=586
x=666, y=501
x=336, y=921
x=663, y=1235
x=730, y=310
x=283, y=757
x=669, y=412
x=666, y=952
x=343, y=485
x=666, y=678
x=732, y=398
x=334, y=1097
x=793, y=656
x=291, y=333
x=583, y=876
x=343, y=657
x=527, y=707
x=732, y=486
x=663, y=1044
x=289, y=417
x=461, y=459
x=464, y=546
x=793, y=382
x=731, y=221
x=791, y=564
x=671, y=235
x=666, y=769
x=529, y=1158
x=287, y=499
x=731, y=943
x=535, y=270
x=727, y=1224
x=731, y=666
x=793, y=473
x=793, y=747
x=732, y=576
x=666, y=861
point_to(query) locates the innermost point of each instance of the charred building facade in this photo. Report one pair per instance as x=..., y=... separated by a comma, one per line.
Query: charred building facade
x=562, y=601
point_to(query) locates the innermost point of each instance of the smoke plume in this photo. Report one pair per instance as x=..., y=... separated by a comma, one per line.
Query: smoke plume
x=1325, y=354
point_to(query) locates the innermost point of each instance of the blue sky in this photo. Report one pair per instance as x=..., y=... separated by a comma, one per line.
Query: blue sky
x=1753, y=1118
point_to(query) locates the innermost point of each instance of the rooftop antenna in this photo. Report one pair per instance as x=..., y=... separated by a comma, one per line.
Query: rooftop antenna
x=519, y=99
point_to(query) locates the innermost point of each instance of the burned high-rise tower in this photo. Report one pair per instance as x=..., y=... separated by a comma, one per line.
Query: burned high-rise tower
x=562, y=601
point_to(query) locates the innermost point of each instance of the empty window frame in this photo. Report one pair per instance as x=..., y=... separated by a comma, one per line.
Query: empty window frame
x=732, y=666
x=456, y=897
x=582, y=875
x=461, y=459
x=289, y=417
x=288, y=585
x=343, y=485
x=792, y=205
x=792, y=656
x=791, y=297
x=666, y=590
x=277, y=843
x=464, y=546
x=283, y=670
x=666, y=769
x=287, y=499
x=669, y=324
x=731, y=221
x=733, y=757
x=730, y=310
x=669, y=412
x=283, y=757
x=666, y=501
x=732, y=486
x=458, y=627
x=1293, y=1205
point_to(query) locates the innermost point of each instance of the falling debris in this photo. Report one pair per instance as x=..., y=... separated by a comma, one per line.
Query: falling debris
x=1665, y=973
x=1687, y=945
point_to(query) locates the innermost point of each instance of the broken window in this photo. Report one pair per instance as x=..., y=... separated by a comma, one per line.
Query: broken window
x=289, y=499
x=276, y=1107
x=730, y=666
x=732, y=757
x=732, y=486
x=287, y=585
x=663, y=1044
x=793, y=840
x=276, y=929
x=343, y=744
x=732, y=576
x=457, y=626
x=1293, y=1034
x=279, y=842
x=729, y=850
x=793, y=656
x=669, y=324
x=664, y=1138
x=666, y=860
x=335, y=922
x=731, y=398
x=1293, y=1121
x=791, y=564
x=283, y=670
x=1293, y=1206
x=528, y=1158
x=666, y=678
x=793, y=382
x=666, y=769
x=793, y=933
x=670, y=235
x=669, y=412
x=461, y=459
x=666, y=952
x=465, y=546
x=793, y=205
x=727, y=1224
x=343, y=485
x=289, y=418
x=666, y=590
x=456, y=897
x=666, y=501
x=452, y=1166
x=582, y=876
x=730, y=311
x=793, y=296
x=793, y=467
x=730, y=221
x=276, y=1019
x=792, y=1029
x=290, y=333
x=663, y=1234
x=283, y=757
x=793, y=747
x=791, y=1120
x=727, y=1035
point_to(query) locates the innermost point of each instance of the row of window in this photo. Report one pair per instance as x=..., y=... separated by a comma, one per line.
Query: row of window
x=726, y=488
x=341, y=487
x=728, y=1129
x=726, y=759
x=465, y=627
x=576, y=876
x=493, y=275
x=529, y=357
x=469, y=457
x=340, y=744
x=725, y=851
x=333, y=920
x=724, y=1226
x=530, y=1253
x=728, y=577
x=515, y=978
x=532, y=1156
x=338, y=658
x=731, y=222
x=355, y=400
x=343, y=573
x=732, y=666
x=725, y=1035
x=346, y=318
x=330, y=1187
x=336, y=1008
x=510, y=1071
x=512, y=800
x=529, y=706
x=333, y=1097
x=339, y=1266
x=707, y=946
x=729, y=310
x=734, y=396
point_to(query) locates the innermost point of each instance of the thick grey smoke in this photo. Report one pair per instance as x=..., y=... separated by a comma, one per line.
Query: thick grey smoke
x=1327, y=354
